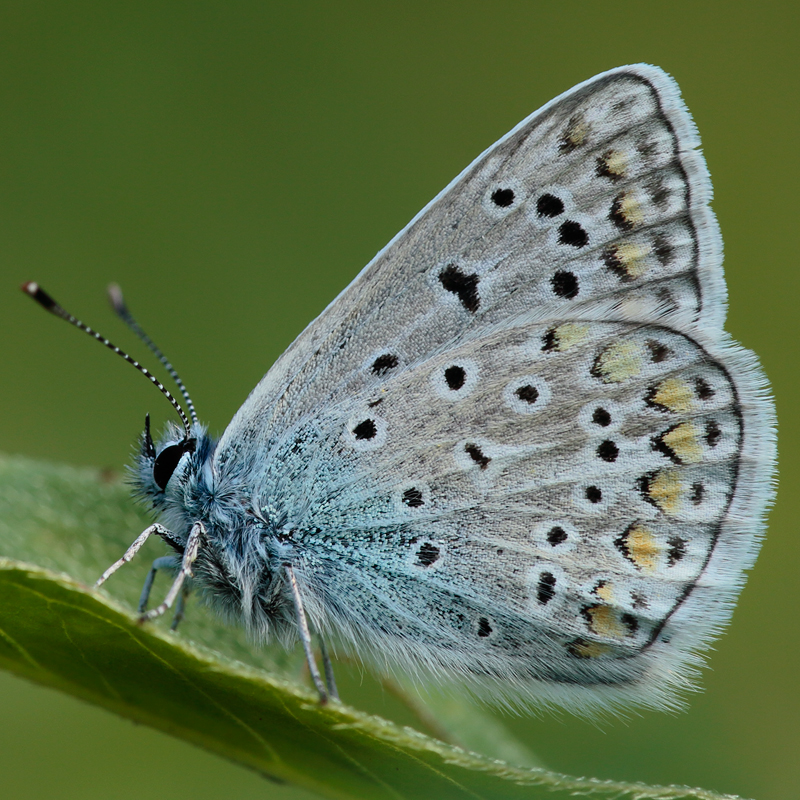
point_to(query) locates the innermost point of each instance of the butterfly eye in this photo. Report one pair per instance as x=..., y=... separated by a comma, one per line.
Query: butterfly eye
x=167, y=460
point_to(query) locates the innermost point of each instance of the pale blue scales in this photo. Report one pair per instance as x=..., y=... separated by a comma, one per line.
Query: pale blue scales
x=519, y=450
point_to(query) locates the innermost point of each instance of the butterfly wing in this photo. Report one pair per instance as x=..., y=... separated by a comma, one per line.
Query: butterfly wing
x=519, y=447
x=554, y=511
x=595, y=204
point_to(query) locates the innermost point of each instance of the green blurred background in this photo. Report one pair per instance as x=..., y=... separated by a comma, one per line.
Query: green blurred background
x=233, y=166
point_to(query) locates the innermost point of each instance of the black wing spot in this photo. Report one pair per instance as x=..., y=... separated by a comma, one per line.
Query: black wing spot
x=601, y=417
x=647, y=148
x=621, y=542
x=413, y=497
x=548, y=205
x=427, y=555
x=530, y=394
x=464, y=286
x=698, y=490
x=546, y=588
x=617, y=215
x=713, y=433
x=659, y=192
x=663, y=249
x=476, y=454
x=565, y=284
x=484, y=628
x=455, y=377
x=650, y=399
x=658, y=352
x=608, y=451
x=614, y=263
x=676, y=551
x=596, y=370
x=556, y=536
x=594, y=494
x=382, y=364
x=598, y=586
x=631, y=623
x=603, y=168
x=503, y=197
x=660, y=446
x=573, y=234
x=575, y=135
x=702, y=389
x=644, y=483
x=549, y=341
x=365, y=430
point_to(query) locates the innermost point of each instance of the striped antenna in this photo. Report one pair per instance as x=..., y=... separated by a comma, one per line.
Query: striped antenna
x=122, y=311
x=45, y=301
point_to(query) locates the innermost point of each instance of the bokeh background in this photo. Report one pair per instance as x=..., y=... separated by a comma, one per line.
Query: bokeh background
x=233, y=166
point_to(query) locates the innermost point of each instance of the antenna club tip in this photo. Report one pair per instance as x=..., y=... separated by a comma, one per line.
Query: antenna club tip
x=35, y=291
x=115, y=298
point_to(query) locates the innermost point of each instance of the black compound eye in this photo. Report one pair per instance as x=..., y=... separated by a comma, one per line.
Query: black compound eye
x=168, y=459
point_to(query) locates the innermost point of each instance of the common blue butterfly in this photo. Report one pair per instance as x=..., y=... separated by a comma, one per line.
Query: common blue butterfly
x=519, y=450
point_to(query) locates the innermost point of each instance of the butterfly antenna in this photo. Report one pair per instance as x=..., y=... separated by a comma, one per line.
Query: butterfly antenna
x=45, y=301
x=122, y=311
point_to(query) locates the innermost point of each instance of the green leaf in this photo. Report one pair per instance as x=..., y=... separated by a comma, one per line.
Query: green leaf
x=60, y=527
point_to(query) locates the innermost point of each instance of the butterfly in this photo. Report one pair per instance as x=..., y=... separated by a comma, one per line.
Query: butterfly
x=519, y=451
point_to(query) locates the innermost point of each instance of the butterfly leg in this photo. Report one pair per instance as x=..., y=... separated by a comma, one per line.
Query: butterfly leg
x=166, y=562
x=129, y=554
x=305, y=636
x=189, y=555
x=180, y=608
x=328, y=667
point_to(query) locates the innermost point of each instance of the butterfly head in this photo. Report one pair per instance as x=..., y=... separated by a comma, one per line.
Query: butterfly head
x=239, y=564
x=157, y=465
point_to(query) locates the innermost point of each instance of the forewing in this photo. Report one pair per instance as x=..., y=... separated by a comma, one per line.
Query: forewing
x=596, y=205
